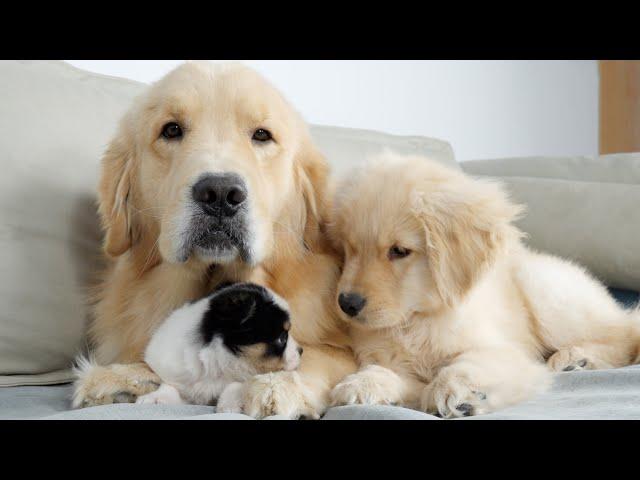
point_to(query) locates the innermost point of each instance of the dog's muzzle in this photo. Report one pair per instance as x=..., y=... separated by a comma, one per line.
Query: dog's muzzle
x=218, y=228
x=220, y=195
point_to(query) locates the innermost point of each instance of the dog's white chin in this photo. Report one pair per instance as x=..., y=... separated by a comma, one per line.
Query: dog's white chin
x=183, y=254
x=216, y=255
x=176, y=248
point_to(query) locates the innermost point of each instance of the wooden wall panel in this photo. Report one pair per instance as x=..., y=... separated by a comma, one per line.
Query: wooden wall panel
x=619, y=106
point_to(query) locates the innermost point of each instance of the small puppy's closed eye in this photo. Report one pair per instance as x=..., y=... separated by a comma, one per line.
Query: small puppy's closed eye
x=238, y=331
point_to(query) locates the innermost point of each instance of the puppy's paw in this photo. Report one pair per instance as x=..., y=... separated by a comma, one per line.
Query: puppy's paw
x=231, y=399
x=280, y=393
x=451, y=395
x=116, y=383
x=373, y=385
x=165, y=395
x=569, y=359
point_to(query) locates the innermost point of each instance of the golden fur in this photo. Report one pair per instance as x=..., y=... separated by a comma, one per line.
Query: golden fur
x=141, y=203
x=465, y=323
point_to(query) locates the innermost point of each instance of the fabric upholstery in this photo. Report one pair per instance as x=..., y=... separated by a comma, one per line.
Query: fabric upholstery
x=581, y=208
x=584, y=395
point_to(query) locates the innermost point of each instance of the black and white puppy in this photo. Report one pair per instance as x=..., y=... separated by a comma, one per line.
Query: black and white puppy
x=205, y=350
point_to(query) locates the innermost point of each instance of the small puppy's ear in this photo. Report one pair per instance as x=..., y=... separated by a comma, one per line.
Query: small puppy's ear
x=114, y=192
x=467, y=225
x=232, y=306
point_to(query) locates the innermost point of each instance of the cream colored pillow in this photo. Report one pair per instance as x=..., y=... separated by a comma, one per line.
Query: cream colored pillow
x=55, y=122
x=583, y=208
x=346, y=147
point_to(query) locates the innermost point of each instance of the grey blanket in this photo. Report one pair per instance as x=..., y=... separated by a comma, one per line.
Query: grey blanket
x=602, y=394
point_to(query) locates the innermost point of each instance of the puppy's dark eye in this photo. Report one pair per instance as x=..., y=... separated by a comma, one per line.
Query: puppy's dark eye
x=262, y=135
x=397, y=252
x=281, y=341
x=172, y=131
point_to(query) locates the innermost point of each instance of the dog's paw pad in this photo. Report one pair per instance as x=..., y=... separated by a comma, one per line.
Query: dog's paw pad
x=580, y=365
x=480, y=395
x=469, y=409
x=449, y=396
x=569, y=360
x=124, y=397
x=466, y=409
x=309, y=416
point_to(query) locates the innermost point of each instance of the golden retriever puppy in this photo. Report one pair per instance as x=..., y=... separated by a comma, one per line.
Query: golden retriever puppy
x=449, y=312
x=213, y=177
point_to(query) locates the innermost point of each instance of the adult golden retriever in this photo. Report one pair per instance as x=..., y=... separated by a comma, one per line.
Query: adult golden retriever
x=212, y=177
x=450, y=313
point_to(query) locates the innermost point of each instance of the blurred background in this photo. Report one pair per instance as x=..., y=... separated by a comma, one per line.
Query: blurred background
x=485, y=109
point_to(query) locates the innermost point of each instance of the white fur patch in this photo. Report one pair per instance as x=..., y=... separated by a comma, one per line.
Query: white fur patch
x=82, y=368
x=200, y=373
x=165, y=395
x=231, y=399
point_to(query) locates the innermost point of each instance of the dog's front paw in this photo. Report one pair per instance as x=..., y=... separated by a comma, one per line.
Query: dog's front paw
x=451, y=395
x=231, y=399
x=165, y=395
x=373, y=385
x=280, y=393
x=116, y=383
x=569, y=359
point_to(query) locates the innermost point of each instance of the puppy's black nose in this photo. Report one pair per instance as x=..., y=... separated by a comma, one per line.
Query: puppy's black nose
x=351, y=303
x=220, y=194
x=300, y=350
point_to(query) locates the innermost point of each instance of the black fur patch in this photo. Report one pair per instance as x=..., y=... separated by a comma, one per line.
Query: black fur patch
x=244, y=314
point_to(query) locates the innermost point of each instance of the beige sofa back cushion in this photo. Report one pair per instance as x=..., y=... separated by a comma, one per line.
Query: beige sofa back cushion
x=346, y=147
x=583, y=208
x=56, y=121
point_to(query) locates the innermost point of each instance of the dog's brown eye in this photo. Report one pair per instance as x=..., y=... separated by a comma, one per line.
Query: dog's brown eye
x=397, y=252
x=262, y=135
x=171, y=131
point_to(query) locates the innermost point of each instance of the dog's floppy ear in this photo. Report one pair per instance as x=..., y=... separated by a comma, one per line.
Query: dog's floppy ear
x=467, y=224
x=312, y=175
x=114, y=192
x=232, y=305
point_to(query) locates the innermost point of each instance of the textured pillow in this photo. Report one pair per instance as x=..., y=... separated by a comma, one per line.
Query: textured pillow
x=56, y=122
x=346, y=147
x=581, y=208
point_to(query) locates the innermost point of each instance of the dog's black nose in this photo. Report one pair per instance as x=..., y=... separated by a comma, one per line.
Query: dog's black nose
x=351, y=303
x=221, y=193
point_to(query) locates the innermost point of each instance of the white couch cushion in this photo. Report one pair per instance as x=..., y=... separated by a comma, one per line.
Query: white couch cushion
x=345, y=147
x=56, y=121
x=583, y=208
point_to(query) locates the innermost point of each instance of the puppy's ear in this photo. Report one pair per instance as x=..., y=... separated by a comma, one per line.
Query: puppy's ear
x=312, y=176
x=232, y=306
x=467, y=225
x=114, y=192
